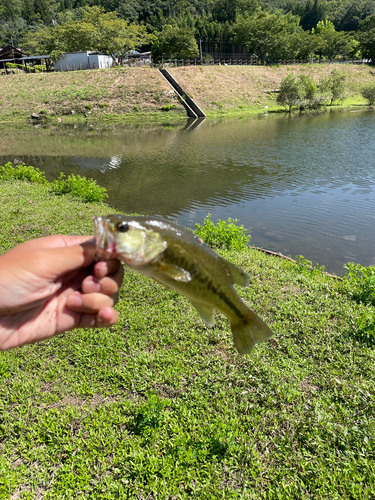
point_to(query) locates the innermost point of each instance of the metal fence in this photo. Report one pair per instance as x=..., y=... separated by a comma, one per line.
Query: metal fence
x=230, y=61
x=253, y=61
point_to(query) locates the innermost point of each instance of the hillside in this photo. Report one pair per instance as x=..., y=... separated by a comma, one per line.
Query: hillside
x=128, y=93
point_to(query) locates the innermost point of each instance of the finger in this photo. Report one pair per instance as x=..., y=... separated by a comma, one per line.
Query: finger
x=108, y=285
x=55, y=241
x=90, y=303
x=57, y=262
x=105, y=317
x=105, y=267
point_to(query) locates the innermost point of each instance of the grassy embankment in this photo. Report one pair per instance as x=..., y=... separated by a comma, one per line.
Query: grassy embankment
x=123, y=94
x=160, y=406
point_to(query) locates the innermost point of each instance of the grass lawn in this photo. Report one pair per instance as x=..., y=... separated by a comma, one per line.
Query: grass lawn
x=160, y=406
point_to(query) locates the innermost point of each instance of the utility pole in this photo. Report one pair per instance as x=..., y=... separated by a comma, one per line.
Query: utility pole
x=200, y=50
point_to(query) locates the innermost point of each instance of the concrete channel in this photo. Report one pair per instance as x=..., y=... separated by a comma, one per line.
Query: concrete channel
x=192, y=108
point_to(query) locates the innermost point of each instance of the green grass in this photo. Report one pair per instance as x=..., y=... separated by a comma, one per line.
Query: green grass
x=160, y=406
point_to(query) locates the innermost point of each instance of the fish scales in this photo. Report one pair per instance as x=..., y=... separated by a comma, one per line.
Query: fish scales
x=179, y=260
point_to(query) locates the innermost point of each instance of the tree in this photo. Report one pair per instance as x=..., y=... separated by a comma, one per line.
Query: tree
x=10, y=10
x=301, y=92
x=178, y=42
x=349, y=14
x=368, y=92
x=334, y=86
x=228, y=10
x=313, y=12
x=366, y=37
x=329, y=42
x=97, y=30
x=290, y=93
x=265, y=35
x=41, y=9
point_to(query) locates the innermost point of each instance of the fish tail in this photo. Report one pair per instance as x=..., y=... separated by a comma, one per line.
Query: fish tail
x=248, y=332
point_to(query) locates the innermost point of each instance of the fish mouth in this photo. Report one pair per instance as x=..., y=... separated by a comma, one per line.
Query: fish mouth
x=104, y=239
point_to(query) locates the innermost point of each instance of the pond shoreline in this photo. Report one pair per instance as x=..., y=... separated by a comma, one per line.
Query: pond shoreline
x=133, y=95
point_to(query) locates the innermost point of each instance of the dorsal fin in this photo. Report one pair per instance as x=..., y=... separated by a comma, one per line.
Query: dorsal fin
x=236, y=275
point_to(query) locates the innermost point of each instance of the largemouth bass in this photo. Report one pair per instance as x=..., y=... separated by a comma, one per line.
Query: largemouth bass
x=181, y=261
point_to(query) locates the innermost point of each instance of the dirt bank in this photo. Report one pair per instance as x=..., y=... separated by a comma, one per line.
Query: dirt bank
x=123, y=94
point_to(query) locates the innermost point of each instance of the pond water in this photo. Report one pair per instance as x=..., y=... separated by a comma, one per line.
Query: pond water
x=301, y=184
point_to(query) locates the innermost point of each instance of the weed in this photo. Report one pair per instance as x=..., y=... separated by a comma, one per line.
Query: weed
x=88, y=106
x=80, y=187
x=224, y=234
x=362, y=281
x=21, y=172
x=168, y=107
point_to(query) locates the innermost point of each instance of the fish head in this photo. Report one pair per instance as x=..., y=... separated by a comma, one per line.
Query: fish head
x=118, y=236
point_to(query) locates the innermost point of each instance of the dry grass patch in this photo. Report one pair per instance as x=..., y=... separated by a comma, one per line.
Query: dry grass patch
x=225, y=87
x=96, y=92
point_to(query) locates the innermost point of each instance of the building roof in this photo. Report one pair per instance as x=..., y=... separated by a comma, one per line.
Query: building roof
x=30, y=58
x=10, y=51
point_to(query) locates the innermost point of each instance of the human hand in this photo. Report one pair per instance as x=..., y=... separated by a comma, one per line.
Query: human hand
x=51, y=285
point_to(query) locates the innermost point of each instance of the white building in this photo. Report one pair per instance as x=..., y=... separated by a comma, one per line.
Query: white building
x=71, y=61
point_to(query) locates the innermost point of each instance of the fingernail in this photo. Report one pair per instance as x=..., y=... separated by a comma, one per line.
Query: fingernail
x=95, y=284
x=74, y=301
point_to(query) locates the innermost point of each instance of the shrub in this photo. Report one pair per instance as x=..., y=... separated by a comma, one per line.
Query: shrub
x=291, y=92
x=362, y=281
x=21, y=172
x=368, y=92
x=333, y=86
x=224, y=234
x=76, y=185
x=86, y=189
x=168, y=107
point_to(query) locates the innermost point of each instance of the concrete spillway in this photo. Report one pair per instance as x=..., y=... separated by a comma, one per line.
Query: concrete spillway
x=189, y=104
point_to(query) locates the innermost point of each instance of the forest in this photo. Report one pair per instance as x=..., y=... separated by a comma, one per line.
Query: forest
x=340, y=27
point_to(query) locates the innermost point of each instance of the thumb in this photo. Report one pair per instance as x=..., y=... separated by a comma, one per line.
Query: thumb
x=59, y=261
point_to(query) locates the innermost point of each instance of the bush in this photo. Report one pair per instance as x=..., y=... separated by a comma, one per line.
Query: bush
x=76, y=185
x=21, y=172
x=168, y=107
x=85, y=189
x=333, y=86
x=224, y=234
x=362, y=282
x=301, y=92
x=21, y=67
x=312, y=96
x=290, y=92
x=368, y=92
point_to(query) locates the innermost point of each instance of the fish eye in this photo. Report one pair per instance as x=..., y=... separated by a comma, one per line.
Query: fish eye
x=123, y=227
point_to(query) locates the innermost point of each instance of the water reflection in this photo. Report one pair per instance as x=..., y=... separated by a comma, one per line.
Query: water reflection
x=303, y=185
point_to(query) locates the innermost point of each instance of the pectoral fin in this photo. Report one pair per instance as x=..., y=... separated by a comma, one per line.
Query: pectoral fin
x=175, y=272
x=236, y=275
x=205, y=312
